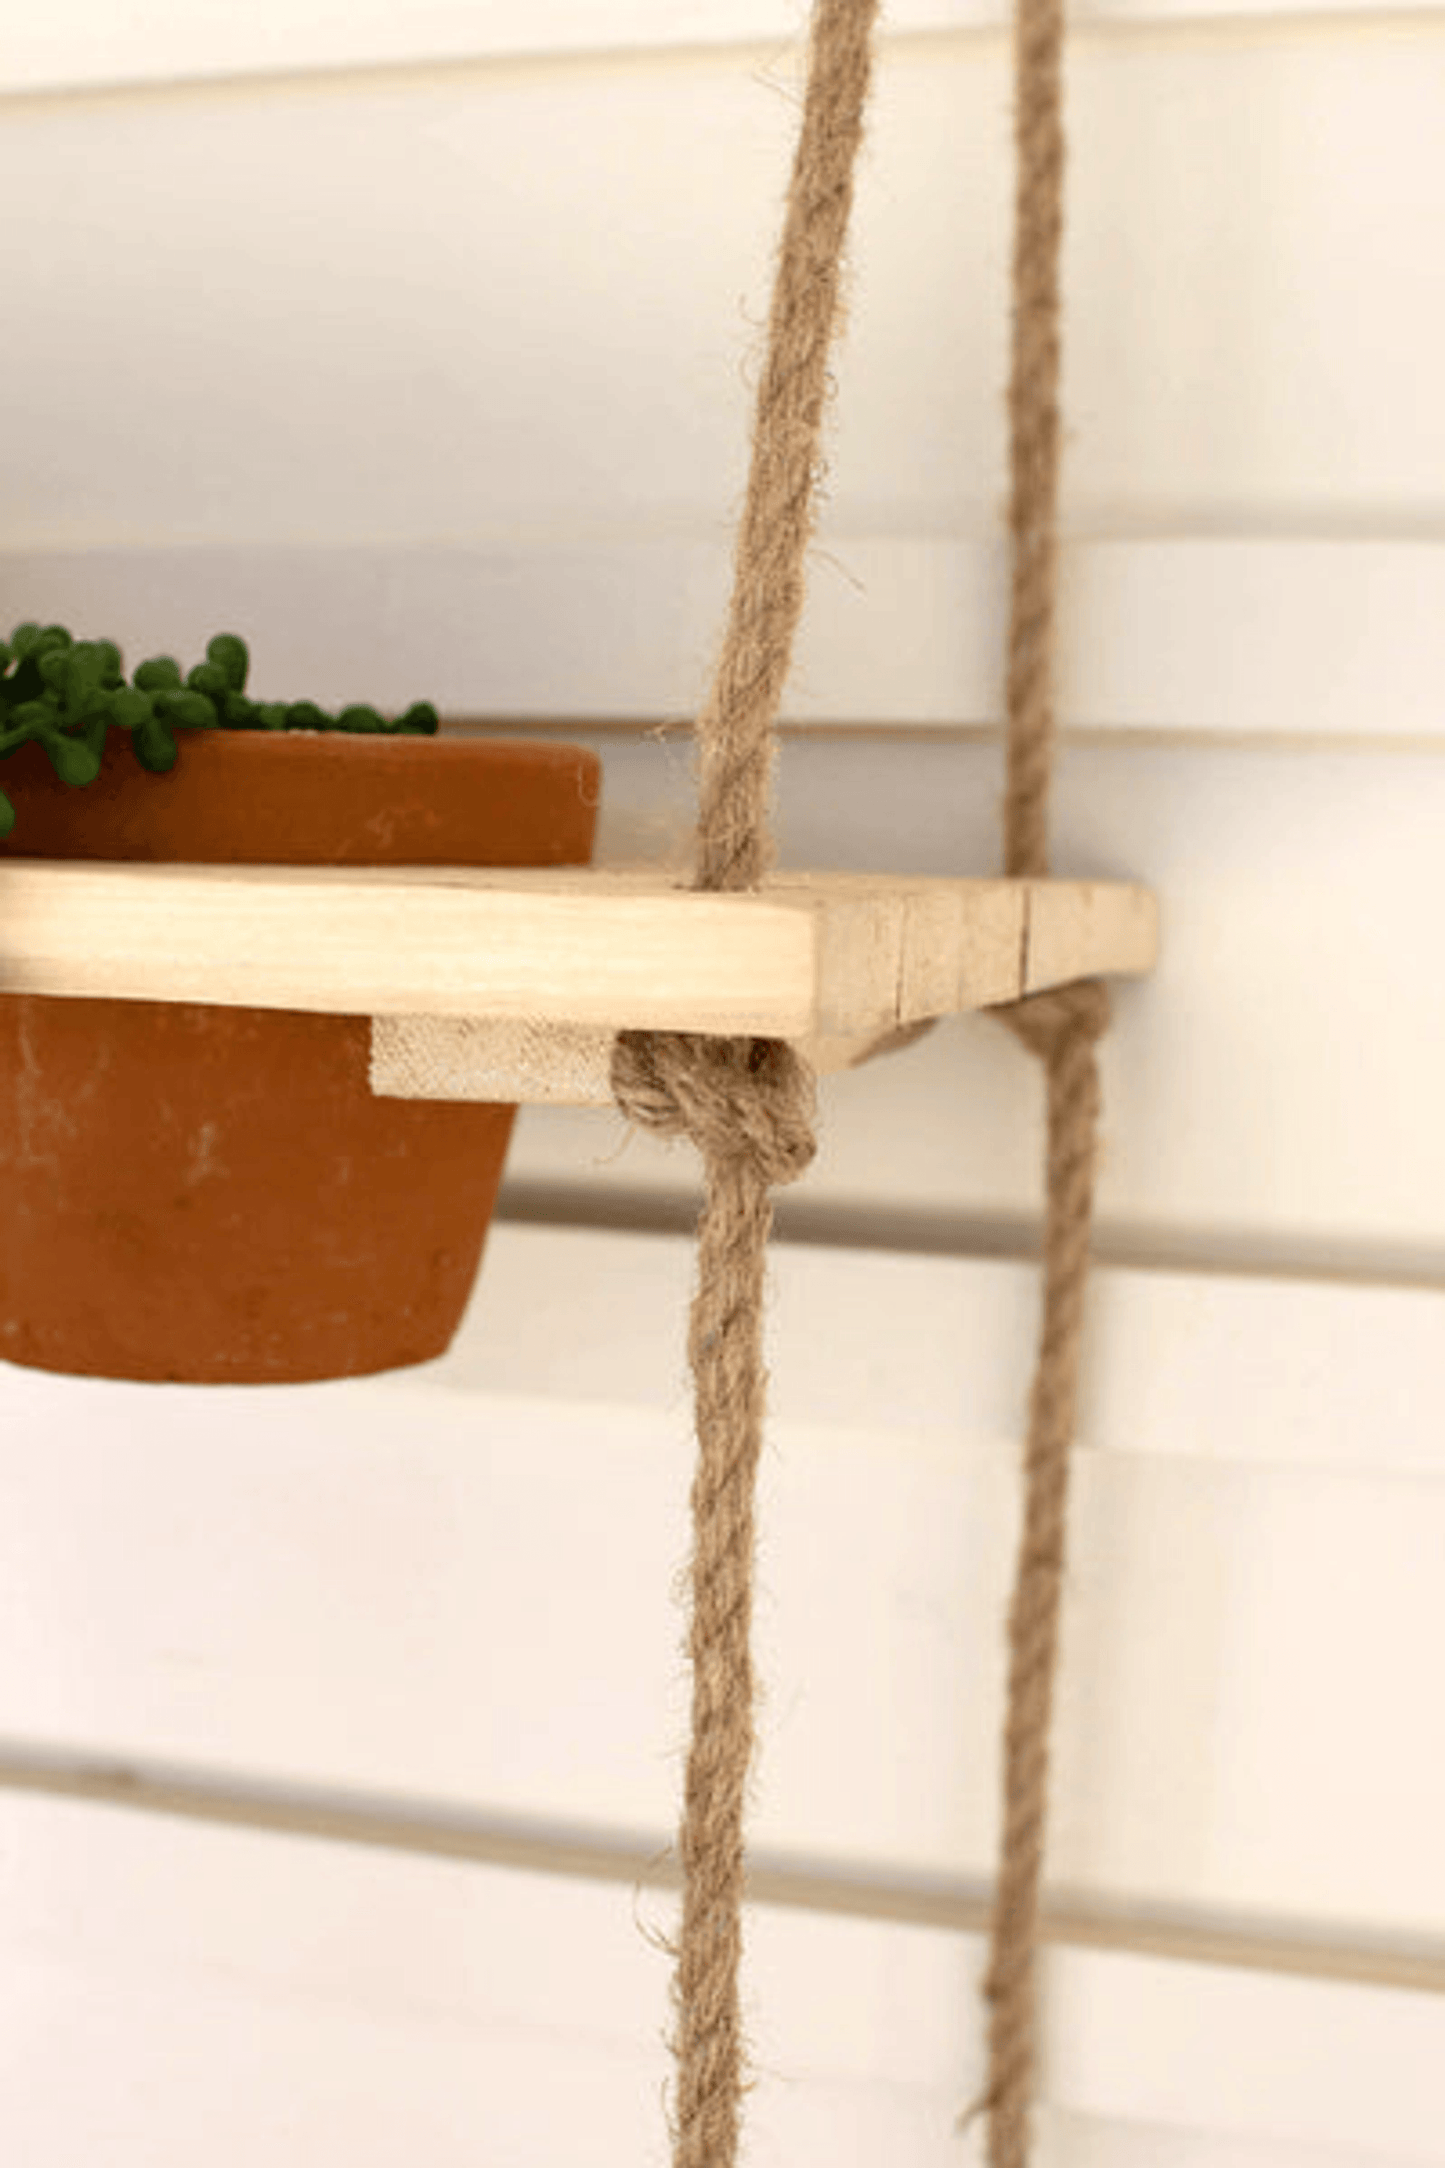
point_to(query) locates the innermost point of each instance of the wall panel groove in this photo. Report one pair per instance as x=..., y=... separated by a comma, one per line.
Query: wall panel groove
x=417, y=344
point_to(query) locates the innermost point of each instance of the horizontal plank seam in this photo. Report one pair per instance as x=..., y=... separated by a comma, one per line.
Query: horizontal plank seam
x=909, y=1231
x=602, y=1856
x=989, y=23
x=1113, y=737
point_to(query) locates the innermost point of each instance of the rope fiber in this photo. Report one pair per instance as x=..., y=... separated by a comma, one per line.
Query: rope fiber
x=1061, y=1029
x=748, y=1104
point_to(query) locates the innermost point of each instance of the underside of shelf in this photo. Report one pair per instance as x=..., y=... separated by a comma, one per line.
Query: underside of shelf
x=512, y=984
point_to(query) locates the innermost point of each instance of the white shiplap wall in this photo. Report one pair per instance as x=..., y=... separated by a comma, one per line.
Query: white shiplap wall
x=417, y=342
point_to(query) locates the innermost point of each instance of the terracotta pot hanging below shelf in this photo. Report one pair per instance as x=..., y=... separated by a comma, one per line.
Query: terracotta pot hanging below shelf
x=213, y=1194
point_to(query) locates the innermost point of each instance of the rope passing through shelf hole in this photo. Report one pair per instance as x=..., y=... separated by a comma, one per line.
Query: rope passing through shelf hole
x=746, y=1104
x=1062, y=1029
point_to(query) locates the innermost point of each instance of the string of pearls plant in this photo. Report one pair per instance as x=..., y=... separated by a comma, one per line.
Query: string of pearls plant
x=66, y=694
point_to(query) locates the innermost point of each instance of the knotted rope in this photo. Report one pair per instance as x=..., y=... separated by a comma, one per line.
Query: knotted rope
x=1062, y=1028
x=747, y=1104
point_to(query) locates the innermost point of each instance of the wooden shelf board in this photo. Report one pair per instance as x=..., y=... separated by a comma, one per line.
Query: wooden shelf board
x=513, y=977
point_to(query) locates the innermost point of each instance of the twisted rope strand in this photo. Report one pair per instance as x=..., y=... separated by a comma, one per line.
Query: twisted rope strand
x=735, y=732
x=1034, y=431
x=747, y=1104
x=1063, y=1028
x=726, y=1350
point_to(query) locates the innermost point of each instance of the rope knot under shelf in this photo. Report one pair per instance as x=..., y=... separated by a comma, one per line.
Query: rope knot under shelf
x=747, y=1103
x=736, y=1098
x=1058, y=1018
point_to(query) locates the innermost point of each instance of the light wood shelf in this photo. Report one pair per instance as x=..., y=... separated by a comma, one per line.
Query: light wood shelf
x=507, y=984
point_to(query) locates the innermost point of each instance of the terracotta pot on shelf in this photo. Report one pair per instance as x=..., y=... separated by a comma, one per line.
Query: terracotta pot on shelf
x=213, y=1195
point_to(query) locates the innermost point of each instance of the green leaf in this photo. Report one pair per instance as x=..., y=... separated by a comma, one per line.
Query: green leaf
x=154, y=746
x=23, y=639
x=360, y=718
x=227, y=652
x=33, y=716
x=207, y=679
x=74, y=760
x=305, y=715
x=7, y=815
x=131, y=710
x=420, y=718
x=271, y=715
x=161, y=674
x=186, y=710
x=77, y=673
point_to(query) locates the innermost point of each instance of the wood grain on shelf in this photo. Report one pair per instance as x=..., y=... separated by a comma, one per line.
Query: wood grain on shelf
x=843, y=958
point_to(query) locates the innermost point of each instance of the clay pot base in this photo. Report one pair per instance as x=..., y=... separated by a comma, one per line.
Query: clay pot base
x=243, y=1210
x=213, y=1195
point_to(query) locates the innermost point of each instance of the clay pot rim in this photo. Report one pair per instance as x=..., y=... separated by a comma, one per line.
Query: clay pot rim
x=315, y=797
x=442, y=744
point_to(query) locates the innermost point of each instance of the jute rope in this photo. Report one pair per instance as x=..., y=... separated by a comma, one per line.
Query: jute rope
x=1034, y=430
x=1062, y=1028
x=735, y=734
x=747, y=1104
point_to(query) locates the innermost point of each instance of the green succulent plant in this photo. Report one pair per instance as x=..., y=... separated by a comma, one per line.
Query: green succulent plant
x=68, y=693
